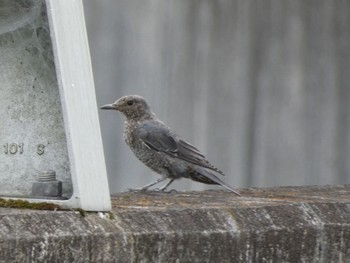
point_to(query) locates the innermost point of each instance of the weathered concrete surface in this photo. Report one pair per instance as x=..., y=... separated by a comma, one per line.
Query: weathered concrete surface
x=289, y=224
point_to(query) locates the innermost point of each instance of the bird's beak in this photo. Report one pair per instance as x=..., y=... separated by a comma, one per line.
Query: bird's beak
x=108, y=107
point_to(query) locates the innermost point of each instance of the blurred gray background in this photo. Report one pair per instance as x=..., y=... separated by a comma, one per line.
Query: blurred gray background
x=261, y=87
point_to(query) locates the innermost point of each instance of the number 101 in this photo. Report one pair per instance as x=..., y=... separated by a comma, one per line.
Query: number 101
x=13, y=148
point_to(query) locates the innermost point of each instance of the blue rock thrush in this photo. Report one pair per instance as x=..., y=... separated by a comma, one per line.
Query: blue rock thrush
x=160, y=149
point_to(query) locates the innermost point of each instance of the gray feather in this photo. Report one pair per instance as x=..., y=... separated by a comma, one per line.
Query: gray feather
x=207, y=176
x=161, y=139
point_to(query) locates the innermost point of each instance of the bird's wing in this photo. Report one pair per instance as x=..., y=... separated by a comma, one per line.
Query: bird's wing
x=161, y=139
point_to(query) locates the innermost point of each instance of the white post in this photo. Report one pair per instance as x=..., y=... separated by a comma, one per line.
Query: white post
x=75, y=79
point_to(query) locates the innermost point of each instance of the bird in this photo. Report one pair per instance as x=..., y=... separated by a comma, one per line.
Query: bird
x=161, y=149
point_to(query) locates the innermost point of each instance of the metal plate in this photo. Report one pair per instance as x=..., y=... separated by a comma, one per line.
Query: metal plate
x=32, y=133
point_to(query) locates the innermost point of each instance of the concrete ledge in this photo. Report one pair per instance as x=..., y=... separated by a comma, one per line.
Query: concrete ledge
x=286, y=224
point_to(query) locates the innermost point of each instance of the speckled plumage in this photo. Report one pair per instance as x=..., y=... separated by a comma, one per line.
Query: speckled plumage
x=154, y=144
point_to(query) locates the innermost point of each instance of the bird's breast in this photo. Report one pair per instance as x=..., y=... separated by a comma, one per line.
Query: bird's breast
x=128, y=133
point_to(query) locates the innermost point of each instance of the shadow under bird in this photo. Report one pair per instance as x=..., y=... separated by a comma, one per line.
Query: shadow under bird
x=154, y=144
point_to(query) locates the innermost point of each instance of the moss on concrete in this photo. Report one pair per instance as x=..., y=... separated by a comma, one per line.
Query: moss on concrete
x=22, y=204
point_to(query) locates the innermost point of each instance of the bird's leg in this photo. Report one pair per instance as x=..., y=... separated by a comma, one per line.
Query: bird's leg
x=151, y=184
x=166, y=185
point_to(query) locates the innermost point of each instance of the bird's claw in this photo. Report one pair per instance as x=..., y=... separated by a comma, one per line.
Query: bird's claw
x=137, y=189
x=157, y=190
x=163, y=190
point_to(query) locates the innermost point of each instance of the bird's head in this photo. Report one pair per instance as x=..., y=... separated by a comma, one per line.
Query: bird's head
x=132, y=106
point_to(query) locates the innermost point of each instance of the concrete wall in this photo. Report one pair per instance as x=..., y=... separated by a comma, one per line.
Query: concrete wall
x=291, y=224
x=261, y=87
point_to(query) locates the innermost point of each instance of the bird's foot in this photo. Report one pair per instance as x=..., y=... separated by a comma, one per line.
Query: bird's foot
x=164, y=190
x=137, y=189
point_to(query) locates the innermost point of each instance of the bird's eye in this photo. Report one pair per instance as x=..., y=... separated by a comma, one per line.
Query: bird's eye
x=130, y=102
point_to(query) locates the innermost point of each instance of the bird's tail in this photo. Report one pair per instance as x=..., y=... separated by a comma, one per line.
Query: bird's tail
x=207, y=176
